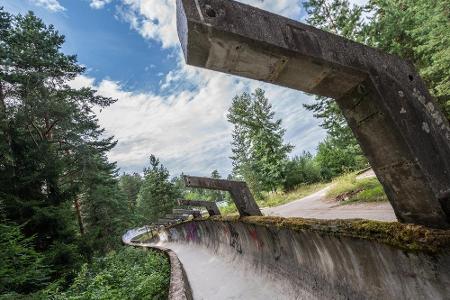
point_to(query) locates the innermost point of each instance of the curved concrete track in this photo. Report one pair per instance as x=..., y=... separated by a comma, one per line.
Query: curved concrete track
x=213, y=276
x=234, y=260
x=277, y=258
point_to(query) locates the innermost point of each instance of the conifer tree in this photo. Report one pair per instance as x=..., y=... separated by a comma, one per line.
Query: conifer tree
x=259, y=153
x=158, y=194
x=49, y=135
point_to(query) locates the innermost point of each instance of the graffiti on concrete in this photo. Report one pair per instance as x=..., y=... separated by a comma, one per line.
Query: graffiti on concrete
x=174, y=235
x=234, y=240
x=192, y=232
x=255, y=238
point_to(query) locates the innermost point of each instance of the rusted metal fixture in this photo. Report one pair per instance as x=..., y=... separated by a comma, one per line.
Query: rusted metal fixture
x=210, y=206
x=399, y=126
x=239, y=191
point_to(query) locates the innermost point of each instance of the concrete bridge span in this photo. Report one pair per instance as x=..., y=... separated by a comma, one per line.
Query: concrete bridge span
x=293, y=258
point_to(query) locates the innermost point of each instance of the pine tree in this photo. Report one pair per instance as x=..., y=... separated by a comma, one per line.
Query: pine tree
x=48, y=133
x=104, y=207
x=130, y=184
x=416, y=30
x=338, y=17
x=259, y=154
x=158, y=194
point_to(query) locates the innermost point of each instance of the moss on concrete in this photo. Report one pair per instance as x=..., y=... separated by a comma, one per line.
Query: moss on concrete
x=408, y=237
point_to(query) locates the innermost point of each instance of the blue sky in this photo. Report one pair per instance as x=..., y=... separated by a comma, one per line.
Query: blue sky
x=177, y=112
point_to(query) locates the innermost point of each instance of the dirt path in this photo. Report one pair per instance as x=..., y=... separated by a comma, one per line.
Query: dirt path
x=318, y=207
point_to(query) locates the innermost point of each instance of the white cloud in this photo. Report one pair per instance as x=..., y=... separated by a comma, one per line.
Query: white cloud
x=52, y=5
x=98, y=4
x=156, y=19
x=188, y=129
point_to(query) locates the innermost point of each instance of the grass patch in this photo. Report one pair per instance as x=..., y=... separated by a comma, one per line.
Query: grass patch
x=229, y=210
x=347, y=189
x=277, y=198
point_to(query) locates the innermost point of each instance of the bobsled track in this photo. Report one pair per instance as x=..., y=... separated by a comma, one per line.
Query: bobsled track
x=294, y=258
x=399, y=127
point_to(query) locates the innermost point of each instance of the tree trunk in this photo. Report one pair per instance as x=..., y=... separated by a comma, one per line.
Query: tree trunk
x=78, y=212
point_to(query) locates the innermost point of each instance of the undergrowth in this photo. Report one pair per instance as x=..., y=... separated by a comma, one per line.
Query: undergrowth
x=126, y=274
x=347, y=189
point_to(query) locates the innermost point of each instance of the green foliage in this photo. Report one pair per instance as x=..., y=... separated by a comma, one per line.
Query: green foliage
x=130, y=185
x=302, y=169
x=270, y=199
x=52, y=150
x=259, y=155
x=125, y=274
x=229, y=209
x=280, y=197
x=352, y=190
x=339, y=17
x=335, y=158
x=105, y=210
x=158, y=194
x=416, y=30
x=22, y=268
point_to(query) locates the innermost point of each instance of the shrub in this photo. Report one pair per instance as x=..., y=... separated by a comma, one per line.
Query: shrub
x=125, y=274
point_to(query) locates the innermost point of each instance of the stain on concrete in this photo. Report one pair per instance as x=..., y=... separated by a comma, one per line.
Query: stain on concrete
x=316, y=259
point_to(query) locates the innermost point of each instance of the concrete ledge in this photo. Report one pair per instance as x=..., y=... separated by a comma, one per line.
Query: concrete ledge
x=407, y=237
x=179, y=288
x=336, y=259
x=179, y=284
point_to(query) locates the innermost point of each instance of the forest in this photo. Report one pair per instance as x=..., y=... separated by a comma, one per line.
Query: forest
x=64, y=205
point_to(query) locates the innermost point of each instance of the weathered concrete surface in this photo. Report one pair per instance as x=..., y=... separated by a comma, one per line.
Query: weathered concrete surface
x=397, y=123
x=179, y=288
x=210, y=206
x=306, y=259
x=239, y=191
x=319, y=207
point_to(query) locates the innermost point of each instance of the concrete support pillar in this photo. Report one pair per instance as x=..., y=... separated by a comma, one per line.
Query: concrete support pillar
x=210, y=206
x=397, y=123
x=238, y=190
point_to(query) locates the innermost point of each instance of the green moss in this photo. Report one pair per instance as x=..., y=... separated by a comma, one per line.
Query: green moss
x=408, y=237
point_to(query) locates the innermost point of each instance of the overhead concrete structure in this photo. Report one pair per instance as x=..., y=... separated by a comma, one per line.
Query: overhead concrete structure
x=210, y=206
x=239, y=191
x=397, y=123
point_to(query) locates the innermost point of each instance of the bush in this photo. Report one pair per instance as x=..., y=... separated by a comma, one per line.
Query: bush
x=125, y=274
x=22, y=269
x=335, y=159
x=301, y=170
